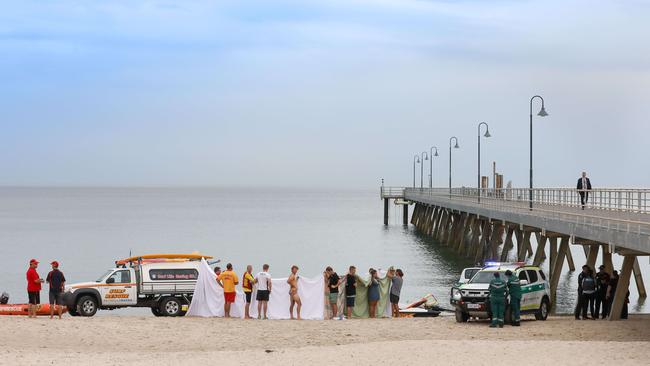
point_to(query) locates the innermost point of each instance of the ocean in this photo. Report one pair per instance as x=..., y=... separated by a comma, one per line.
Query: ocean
x=87, y=229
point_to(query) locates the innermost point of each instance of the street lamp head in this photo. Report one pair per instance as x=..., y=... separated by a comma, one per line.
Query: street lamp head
x=436, y=154
x=542, y=112
x=417, y=160
x=456, y=146
x=487, y=133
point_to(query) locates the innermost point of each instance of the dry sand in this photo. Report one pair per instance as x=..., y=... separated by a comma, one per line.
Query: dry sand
x=113, y=340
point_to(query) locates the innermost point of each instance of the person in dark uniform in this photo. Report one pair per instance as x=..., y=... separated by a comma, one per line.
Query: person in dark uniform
x=498, y=289
x=583, y=187
x=581, y=276
x=350, y=290
x=514, y=289
x=602, y=282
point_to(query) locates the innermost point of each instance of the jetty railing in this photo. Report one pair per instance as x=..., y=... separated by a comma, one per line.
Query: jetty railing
x=613, y=199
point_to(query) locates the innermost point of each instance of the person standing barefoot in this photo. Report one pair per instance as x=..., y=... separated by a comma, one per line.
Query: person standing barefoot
x=293, y=292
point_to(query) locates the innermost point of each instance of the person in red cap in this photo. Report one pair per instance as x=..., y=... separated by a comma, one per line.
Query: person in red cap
x=33, y=288
x=56, y=279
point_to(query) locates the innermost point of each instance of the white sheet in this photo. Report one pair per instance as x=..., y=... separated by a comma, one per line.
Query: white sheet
x=208, y=298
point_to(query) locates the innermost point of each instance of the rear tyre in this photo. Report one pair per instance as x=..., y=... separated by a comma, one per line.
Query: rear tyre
x=156, y=311
x=87, y=306
x=544, y=309
x=170, y=306
x=461, y=317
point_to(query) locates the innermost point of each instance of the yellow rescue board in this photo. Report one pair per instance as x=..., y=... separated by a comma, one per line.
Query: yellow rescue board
x=163, y=256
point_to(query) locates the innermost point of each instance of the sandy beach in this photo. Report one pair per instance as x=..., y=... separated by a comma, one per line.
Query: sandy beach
x=116, y=340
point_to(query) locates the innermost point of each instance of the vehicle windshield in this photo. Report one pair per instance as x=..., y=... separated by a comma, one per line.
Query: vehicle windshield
x=470, y=272
x=483, y=277
x=106, y=274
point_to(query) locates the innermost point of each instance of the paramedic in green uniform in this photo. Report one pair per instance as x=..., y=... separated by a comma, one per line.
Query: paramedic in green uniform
x=514, y=289
x=497, y=289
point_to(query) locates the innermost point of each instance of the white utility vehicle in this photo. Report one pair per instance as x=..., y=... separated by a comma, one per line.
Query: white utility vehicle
x=163, y=282
x=471, y=299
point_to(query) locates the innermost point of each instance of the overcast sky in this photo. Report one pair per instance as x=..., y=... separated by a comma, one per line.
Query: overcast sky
x=327, y=93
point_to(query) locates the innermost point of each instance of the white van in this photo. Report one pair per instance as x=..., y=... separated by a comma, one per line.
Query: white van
x=163, y=282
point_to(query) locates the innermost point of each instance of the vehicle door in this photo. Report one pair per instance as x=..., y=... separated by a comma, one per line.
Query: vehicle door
x=535, y=290
x=524, y=288
x=120, y=288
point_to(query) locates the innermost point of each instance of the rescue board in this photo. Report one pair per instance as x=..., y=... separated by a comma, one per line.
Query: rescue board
x=163, y=256
x=23, y=309
x=418, y=313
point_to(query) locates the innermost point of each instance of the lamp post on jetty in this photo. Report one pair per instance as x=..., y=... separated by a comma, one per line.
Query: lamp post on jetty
x=487, y=134
x=431, y=155
x=542, y=113
x=455, y=147
x=416, y=159
x=424, y=157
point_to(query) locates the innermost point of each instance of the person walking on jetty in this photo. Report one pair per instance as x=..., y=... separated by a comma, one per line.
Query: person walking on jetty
x=229, y=280
x=373, y=293
x=264, y=284
x=350, y=290
x=588, y=295
x=396, y=280
x=333, y=282
x=293, y=292
x=33, y=288
x=514, y=289
x=56, y=279
x=583, y=187
x=602, y=282
x=498, y=289
x=247, y=284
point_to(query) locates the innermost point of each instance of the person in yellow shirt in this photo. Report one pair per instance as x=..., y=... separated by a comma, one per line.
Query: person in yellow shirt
x=247, y=283
x=228, y=279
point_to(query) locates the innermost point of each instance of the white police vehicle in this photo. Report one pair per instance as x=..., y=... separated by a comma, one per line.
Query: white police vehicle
x=471, y=298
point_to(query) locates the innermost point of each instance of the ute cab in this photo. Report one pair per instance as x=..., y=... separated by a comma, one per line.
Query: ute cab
x=467, y=275
x=471, y=299
x=163, y=282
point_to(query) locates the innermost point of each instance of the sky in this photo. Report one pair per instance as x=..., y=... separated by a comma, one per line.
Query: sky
x=337, y=93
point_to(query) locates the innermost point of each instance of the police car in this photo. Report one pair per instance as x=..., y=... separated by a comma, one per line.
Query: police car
x=471, y=298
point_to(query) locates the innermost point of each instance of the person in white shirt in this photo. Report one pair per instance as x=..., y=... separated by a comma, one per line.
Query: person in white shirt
x=263, y=281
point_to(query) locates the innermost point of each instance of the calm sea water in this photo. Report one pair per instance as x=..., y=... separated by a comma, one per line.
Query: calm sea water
x=87, y=229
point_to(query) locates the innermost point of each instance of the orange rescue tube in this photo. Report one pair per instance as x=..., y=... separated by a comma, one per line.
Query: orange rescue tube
x=23, y=309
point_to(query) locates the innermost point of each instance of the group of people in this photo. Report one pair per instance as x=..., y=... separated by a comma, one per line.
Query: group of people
x=596, y=293
x=499, y=290
x=56, y=281
x=228, y=280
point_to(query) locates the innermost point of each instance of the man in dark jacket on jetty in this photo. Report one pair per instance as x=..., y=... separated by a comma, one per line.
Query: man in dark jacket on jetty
x=583, y=187
x=498, y=289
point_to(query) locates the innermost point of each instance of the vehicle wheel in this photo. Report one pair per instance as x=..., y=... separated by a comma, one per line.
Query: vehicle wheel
x=507, y=317
x=170, y=306
x=87, y=306
x=156, y=311
x=461, y=317
x=544, y=309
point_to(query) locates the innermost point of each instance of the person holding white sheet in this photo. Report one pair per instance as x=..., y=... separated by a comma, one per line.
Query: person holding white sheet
x=333, y=282
x=293, y=292
x=264, y=284
x=373, y=292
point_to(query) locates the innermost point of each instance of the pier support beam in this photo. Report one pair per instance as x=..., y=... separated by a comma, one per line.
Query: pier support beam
x=385, y=211
x=622, y=287
x=405, y=215
x=508, y=244
x=592, y=255
x=539, y=252
x=557, y=264
x=638, y=278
